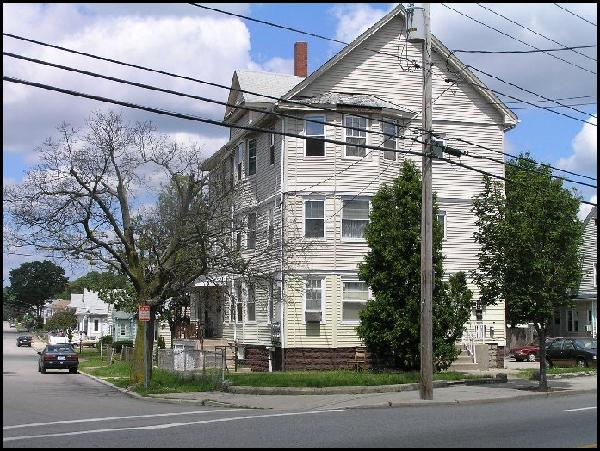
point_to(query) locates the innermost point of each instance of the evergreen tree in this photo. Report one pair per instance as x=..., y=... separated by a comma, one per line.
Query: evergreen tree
x=392, y=268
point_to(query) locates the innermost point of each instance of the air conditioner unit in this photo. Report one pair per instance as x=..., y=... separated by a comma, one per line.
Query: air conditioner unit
x=588, y=327
x=312, y=317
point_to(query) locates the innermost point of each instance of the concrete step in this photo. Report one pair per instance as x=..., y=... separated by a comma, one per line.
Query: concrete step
x=463, y=367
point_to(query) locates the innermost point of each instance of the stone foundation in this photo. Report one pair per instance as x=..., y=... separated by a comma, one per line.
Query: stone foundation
x=256, y=358
x=496, y=355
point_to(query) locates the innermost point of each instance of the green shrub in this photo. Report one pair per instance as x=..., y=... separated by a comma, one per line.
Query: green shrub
x=107, y=339
x=117, y=345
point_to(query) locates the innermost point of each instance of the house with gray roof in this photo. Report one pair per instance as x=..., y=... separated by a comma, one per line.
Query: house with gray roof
x=300, y=204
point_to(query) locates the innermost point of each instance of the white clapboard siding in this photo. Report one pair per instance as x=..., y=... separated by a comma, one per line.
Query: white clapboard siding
x=589, y=253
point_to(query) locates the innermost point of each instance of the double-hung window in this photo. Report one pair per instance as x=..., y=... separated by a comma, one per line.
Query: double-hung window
x=441, y=218
x=252, y=157
x=272, y=148
x=314, y=219
x=270, y=227
x=315, y=133
x=389, y=129
x=355, y=216
x=355, y=138
x=240, y=158
x=354, y=297
x=95, y=325
x=251, y=303
x=251, y=237
x=122, y=329
x=314, y=295
x=240, y=306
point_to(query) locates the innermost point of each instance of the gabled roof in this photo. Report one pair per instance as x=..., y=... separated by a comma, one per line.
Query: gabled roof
x=436, y=45
x=592, y=214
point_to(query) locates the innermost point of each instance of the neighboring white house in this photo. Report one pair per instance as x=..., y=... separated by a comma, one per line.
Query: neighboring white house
x=305, y=315
x=94, y=316
x=581, y=320
x=54, y=306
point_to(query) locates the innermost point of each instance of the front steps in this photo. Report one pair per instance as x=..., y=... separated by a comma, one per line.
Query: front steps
x=464, y=362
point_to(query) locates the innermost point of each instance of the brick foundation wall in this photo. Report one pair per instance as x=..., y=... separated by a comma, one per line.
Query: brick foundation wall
x=257, y=358
x=320, y=359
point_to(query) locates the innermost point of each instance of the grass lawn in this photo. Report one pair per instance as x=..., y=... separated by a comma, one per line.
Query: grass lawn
x=336, y=378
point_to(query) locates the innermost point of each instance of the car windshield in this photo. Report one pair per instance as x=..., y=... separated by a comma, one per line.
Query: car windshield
x=60, y=349
x=586, y=343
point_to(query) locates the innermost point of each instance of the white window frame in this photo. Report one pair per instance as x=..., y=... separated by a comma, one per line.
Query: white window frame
x=319, y=117
x=251, y=232
x=444, y=213
x=572, y=319
x=369, y=297
x=253, y=140
x=272, y=155
x=270, y=225
x=383, y=123
x=250, y=288
x=346, y=136
x=304, y=218
x=96, y=325
x=122, y=329
x=323, y=293
x=343, y=238
x=239, y=160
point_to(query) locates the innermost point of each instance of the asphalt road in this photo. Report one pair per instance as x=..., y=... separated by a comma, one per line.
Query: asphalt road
x=67, y=410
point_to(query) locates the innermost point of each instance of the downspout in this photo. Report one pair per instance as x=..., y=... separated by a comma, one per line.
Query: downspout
x=281, y=218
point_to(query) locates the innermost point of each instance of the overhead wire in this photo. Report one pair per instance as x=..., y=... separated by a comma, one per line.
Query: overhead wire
x=533, y=31
x=575, y=14
x=238, y=126
x=524, y=51
x=209, y=100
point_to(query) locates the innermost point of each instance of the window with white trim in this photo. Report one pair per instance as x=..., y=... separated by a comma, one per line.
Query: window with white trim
x=270, y=226
x=441, y=218
x=252, y=157
x=271, y=310
x=355, y=136
x=355, y=216
x=313, y=295
x=355, y=295
x=95, y=325
x=314, y=219
x=251, y=237
x=239, y=160
x=315, y=133
x=389, y=127
x=272, y=149
x=572, y=321
x=251, y=303
x=122, y=329
x=239, y=303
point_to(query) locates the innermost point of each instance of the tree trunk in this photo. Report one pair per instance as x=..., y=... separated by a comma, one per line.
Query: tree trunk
x=141, y=365
x=542, y=339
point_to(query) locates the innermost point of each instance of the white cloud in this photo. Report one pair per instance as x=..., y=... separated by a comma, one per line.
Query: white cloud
x=585, y=150
x=585, y=209
x=354, y=19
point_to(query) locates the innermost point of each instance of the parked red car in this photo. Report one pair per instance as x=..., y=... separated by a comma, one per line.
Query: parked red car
x=530, y=352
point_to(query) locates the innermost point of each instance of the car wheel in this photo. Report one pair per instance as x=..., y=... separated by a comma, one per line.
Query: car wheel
x=43, y=370
x=581, y=363
x=531, y=357
x=73, y=370
x=18, y=345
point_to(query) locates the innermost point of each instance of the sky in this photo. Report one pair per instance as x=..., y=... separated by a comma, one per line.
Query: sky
x=191, y=41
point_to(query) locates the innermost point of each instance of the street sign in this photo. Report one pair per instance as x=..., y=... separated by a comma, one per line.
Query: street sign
x=144, y=313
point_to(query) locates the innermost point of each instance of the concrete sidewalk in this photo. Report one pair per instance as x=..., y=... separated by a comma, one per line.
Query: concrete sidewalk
x=450, y=395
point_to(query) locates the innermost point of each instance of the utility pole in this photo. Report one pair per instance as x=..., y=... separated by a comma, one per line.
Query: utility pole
x=426, y=379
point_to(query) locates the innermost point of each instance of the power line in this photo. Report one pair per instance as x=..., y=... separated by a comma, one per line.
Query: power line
x=576, y=15
x=229, y=89
x=553, y=100
x=241, y=127
x=525, y=51
x=209, y=100
x=516, y=39
x=395, y=56
x=533, y=31
x=295, y=30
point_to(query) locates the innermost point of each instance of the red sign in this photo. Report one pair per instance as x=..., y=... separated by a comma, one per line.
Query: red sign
x=144, y=313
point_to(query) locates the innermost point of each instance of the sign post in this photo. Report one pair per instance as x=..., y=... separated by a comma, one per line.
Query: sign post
x=144, y=315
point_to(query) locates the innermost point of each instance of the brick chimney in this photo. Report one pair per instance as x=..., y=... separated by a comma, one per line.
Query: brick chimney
x=301, y=59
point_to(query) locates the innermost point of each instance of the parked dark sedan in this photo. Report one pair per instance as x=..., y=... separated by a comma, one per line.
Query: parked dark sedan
x=23, y=340
x=58, y=357
x=580, y=352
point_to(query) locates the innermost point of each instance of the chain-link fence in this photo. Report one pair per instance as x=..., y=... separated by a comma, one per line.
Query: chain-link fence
x=210, y=363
